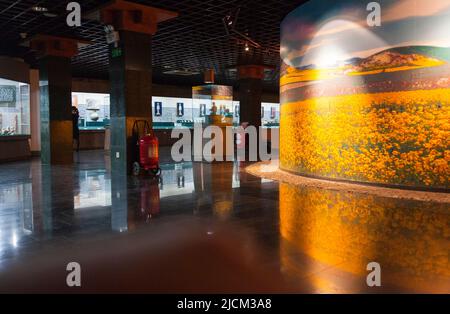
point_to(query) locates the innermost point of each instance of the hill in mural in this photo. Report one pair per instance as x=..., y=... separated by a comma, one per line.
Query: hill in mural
x=432, y=52
x=400, y=59
x=390, y=60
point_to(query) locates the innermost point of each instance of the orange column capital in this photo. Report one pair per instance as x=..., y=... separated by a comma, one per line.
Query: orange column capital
x=47, y=45
x=251, y=71
x=129, y=16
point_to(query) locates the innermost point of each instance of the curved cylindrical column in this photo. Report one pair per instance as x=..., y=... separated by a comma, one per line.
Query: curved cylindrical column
x=365, y=92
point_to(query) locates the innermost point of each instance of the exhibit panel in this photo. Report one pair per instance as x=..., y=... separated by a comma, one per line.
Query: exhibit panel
x=365, y=92
x=171, y=112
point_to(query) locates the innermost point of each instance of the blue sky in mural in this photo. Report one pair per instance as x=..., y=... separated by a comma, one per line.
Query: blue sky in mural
x=326, y=32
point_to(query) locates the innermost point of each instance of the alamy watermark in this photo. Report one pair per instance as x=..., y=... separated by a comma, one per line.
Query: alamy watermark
x=373, y=279
x=215, y=143
x=74, y=17
x=73, y=279
x=374, y=18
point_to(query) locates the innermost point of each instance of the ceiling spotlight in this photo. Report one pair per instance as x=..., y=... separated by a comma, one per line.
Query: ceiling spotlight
x=44, y=11
x=247, y=48
x=228, y=20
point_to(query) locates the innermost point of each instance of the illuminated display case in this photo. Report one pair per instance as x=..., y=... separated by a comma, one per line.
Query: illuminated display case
x=210, y=100
x=14, y=108
x=169, y=112
x=270, y=115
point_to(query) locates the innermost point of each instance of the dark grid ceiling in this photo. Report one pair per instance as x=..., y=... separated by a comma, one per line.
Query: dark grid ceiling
x=194, y=41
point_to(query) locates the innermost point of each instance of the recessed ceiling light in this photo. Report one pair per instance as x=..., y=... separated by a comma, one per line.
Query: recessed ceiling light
x=183, y=72
x=39, y=9
x=49, y=14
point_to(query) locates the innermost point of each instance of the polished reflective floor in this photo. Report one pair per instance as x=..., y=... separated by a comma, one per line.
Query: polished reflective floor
x=209, y=228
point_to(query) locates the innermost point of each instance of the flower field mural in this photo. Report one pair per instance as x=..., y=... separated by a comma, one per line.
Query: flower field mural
x=367, y=104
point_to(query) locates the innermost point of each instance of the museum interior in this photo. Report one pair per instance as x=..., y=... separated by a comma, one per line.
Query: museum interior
x=108, y=109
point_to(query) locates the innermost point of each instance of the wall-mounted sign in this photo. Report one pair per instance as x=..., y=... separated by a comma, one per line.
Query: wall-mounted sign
x=7, y=95
x=158, y=109
x=116, y=52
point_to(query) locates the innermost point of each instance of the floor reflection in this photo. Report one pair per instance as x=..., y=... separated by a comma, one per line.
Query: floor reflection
x=410, y=240
x=94, y=189
x=35, y=202
x=16, y=215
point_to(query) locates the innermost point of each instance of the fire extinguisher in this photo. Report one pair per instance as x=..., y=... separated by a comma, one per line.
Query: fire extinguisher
x=148, y=144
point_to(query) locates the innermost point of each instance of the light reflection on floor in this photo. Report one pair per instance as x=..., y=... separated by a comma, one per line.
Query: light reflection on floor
x=346, y=231
x=318, y=240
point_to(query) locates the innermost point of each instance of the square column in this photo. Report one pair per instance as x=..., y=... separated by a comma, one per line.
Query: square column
x=250, y=87
x=55, y=82
x=130, y=59
x=55, y=88
x=131, y=94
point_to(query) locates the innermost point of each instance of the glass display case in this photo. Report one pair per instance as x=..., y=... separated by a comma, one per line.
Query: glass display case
x=172, y=112
x=14, y=108
x=94, y=110
x=169, y=112
x=209, y=100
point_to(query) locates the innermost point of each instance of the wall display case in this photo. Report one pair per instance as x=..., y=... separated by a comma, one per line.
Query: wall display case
x=170, y=112
x=14, y=108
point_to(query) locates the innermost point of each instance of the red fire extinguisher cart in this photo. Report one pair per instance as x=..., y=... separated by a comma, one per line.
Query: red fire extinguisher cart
x=147, y=149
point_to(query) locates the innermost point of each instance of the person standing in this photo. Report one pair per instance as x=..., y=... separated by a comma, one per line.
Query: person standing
x=75, y=128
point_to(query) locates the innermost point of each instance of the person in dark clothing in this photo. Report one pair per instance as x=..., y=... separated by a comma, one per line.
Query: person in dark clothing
x=75, y=128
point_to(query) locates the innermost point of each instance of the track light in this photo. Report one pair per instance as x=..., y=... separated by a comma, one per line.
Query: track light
x=230, y=22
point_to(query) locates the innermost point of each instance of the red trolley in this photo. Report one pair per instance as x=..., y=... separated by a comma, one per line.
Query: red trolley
x=147, y=149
